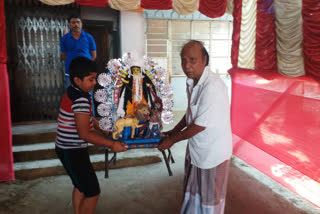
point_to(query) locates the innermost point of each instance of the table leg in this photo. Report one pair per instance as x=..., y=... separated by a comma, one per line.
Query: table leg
x=106, y=164
x=167, y=162
x=114, y=158
x=170, y=156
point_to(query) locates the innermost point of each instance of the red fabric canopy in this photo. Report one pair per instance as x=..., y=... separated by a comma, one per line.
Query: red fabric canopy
x=6, y=157
x=210, y=8
x=266, y=58
x=213, y=8
x=156, y=4
x=93, y=3
x=311, y=37
x=3, y=46
x=236, y=33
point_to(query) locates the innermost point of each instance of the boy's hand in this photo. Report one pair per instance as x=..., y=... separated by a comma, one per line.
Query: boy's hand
x=118, y=146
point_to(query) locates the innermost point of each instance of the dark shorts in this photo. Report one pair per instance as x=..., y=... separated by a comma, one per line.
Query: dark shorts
x=79, y=168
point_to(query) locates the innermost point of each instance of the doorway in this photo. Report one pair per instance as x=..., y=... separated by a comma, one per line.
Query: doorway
x=35, y=69
x=105, y=39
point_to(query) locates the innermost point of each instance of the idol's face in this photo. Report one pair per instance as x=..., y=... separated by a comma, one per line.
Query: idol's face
x=135, y=70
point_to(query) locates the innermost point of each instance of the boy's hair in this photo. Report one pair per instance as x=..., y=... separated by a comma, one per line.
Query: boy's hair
x=81, y=67
x=74, y=16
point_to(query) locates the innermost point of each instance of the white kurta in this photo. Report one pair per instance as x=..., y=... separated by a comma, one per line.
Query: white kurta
x=208, y=106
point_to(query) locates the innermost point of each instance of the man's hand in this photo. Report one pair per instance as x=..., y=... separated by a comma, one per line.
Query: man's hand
x=166, y=143
x=63, y=56
x=107, y=133
x=167, y=133
x=118, y=146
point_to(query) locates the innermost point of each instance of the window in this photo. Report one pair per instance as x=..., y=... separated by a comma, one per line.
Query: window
x=166, y=37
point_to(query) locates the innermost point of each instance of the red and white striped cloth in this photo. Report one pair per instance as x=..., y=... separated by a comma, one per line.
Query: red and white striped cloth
x=210, y=8
x=269, y=35
x=277, y=35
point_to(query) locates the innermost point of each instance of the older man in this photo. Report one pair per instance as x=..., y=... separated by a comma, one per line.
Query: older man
x=206, y=125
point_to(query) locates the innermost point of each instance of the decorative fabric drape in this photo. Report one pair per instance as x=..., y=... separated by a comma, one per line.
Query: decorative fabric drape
x=311, y=37
x=248, y=34
x=286, y=40
x=210, y=8
x=185, y=7
x=229, y=8
x=3, y=49
x=289, y=37
x=213, y=8
x=156, y=4
x=93, y=3
x=57, y=2
x=6, y=156
x=266, y=58
x=124, y=4
x=236, y=33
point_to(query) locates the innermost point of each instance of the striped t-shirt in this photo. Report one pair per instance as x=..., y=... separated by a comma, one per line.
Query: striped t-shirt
x=74, y=101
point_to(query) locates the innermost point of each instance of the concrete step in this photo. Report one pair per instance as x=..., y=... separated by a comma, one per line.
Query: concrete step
x=33, y=138
x=34, y=133
x=34, y=153
x=43, y=168
x=34, y=127
x=42, y=151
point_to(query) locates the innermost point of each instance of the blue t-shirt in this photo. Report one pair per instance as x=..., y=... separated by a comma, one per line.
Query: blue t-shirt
x=76, y=47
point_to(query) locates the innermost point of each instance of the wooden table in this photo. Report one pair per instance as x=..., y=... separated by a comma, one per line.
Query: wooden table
x=167, y=157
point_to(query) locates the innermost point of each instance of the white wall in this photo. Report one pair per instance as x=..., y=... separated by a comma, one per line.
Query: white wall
x=132, y=27
x=179, y=93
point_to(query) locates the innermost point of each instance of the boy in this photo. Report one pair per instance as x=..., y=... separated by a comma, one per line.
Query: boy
x=75, y=130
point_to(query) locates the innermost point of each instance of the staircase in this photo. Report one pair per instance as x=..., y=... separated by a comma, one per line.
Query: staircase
x=34, y=153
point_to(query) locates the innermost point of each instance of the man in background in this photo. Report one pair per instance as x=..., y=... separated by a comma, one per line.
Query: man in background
x=76, y=43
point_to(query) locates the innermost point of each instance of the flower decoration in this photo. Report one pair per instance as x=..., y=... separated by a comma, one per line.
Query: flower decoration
x=166, y=90
x=100, y=95
x=106, y=123
x=167, y=103
x=104, y=109
x=148, y=63
x=161, y=73
x=167, y=117
x=114, y=66
x=104, y=79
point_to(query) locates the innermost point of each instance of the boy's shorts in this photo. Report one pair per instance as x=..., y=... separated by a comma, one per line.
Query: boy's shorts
x=79, y=168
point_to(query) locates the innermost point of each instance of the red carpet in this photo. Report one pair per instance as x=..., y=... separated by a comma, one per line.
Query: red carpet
x=276, y=127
